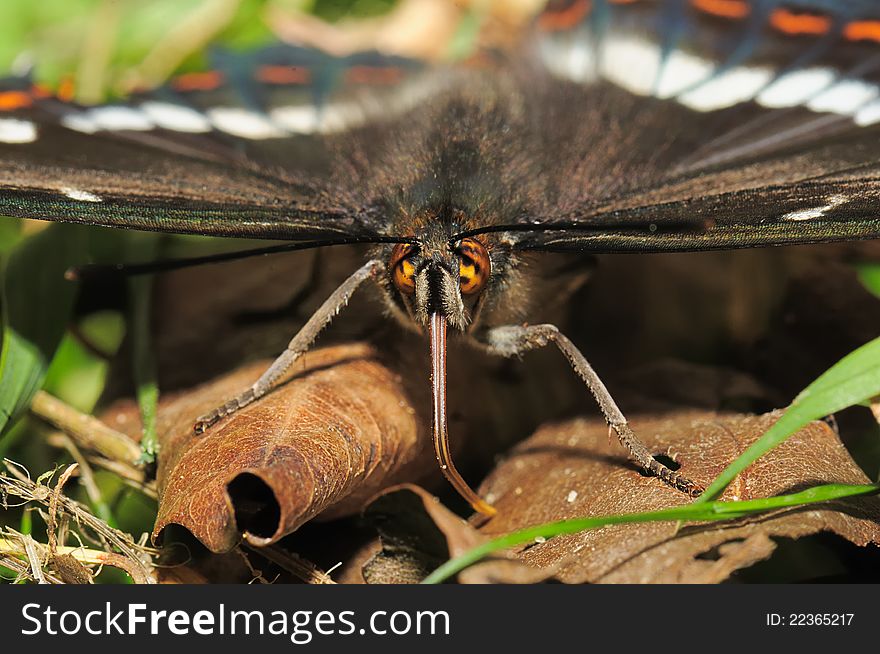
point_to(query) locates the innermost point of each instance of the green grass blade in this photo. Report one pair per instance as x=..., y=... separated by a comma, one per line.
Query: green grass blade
x=869, y=275
x=10, y=234
x=852, y=380
x=22, y=367
x=464, y=41
x=144, y=365
x=37, y=303
x=709, y=511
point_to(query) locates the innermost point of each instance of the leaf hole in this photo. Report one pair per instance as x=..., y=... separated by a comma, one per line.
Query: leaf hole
x=256, y=508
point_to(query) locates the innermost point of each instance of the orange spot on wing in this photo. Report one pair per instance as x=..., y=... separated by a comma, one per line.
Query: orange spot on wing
x=863, y=30
x=723, y=8
x=40, y=91
x=66, y=90
x=792, y=23
x=10, y=100
x=284, y=75
x=207, y=81
x=554, y=21
x=374, y=74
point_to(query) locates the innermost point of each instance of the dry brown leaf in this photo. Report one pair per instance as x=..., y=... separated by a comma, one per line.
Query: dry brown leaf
x=574, y=470
x=351, y=570
x=338, y=432
x=417, y=534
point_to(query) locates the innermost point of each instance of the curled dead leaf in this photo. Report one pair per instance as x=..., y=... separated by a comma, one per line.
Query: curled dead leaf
x=573, y=470
x=341, y=429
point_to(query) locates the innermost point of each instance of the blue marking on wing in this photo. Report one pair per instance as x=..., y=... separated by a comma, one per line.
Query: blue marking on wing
x=674, y=24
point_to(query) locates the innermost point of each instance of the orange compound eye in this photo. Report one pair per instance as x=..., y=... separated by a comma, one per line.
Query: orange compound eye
x=403, y=271
x=474, y=266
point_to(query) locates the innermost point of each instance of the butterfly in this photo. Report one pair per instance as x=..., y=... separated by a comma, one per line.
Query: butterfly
x=616, y=126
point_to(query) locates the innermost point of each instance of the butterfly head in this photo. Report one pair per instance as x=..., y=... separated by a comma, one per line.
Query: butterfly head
x=439, y=282
x=440, y=278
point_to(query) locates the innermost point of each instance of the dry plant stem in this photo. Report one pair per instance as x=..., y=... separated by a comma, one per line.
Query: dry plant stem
x=299, y=567
x=86, y=476
x=14, y=564
x=52, y=526
x=86, y=431
x=33, y=558
x=440, y=428
x=297, y=347
x=21, y=474
x=21, y=569
x=256, y=575
x=30, y=549
x=21, y=487
x=514, y=340
x=17, y=562
x=133, y=476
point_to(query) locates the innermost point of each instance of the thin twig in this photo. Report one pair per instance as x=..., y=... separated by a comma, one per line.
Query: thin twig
x=21, y=569
x=256, y=575
x=52, y=525
x=32, y=550
x=133, y=476
x=294, y=564
x=33, y=558
x=87, y=479
x=109, y=537
x=86, y=431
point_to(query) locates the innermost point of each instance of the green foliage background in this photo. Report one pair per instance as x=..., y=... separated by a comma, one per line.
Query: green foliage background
x=105, y=39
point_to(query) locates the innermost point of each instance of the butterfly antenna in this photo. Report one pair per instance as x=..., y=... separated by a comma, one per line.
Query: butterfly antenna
x=79, y=273
x=441, y=432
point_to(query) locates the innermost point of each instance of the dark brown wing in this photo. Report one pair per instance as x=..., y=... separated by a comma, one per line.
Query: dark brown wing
x=260, y=148
x=689, y=125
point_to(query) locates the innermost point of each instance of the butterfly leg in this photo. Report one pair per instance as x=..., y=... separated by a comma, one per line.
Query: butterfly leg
x=297, y=346
x=514, y=340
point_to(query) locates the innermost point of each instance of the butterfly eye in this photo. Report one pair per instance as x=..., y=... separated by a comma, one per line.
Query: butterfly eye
x=473, y=267
x=403, y=271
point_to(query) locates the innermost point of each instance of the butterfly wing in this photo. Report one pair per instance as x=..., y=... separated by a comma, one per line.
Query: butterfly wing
x=706, y=124
x=258, y=147
x=684, y=124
